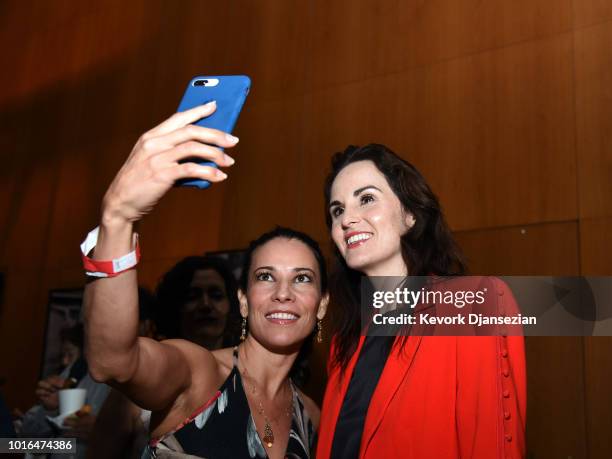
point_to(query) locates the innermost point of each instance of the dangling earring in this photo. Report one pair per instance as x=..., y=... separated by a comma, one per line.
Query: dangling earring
x=244, y=331
x=319, y=331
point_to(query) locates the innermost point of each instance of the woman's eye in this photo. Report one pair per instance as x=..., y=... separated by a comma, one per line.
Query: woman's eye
x=194, y=293
x=216, y=294
x=264, y=276
x=366, y=198
x=337, y=211
x=301, y=278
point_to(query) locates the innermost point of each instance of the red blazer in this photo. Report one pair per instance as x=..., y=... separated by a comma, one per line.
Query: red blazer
x=441, y=397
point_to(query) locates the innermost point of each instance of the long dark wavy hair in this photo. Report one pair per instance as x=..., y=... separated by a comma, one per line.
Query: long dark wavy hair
x=173, y=291
x=428, y=248
x=300, y=372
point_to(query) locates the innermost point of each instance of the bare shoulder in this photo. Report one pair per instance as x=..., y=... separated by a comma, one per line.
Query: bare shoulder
x=314, y=413
x=225, y=360
x=202, y=362
x=203, y=366
x=191, y=352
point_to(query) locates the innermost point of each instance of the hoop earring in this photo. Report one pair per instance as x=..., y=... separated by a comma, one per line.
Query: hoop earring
x=319, y=331
x=244, y=329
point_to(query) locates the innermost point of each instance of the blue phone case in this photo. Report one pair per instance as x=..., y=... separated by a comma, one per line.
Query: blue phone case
x=230, y=94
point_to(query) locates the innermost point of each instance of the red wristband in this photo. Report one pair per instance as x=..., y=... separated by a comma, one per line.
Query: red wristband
x=107, y=268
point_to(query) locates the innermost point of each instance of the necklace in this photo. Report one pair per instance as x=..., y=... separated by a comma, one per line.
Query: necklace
x=268, y=437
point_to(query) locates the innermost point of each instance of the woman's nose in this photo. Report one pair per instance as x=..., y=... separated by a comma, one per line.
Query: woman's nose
x=284, y=292
x=349, y=218
x=205, y=302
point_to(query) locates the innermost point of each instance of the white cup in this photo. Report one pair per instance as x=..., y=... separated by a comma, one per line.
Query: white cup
x=71, y=400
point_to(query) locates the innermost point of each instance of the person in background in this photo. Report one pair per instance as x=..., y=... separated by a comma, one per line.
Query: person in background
x=35, y=423
x=198, y=302
x=71, y=345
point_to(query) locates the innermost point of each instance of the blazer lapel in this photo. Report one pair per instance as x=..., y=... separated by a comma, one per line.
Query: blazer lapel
x=333, y=401
x=393, y=374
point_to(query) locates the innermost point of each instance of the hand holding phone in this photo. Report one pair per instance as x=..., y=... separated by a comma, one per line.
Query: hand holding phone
x=230, y=93
x=155, y=164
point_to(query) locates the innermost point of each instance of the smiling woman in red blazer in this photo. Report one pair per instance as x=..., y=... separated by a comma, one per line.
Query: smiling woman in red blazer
x=416, y=396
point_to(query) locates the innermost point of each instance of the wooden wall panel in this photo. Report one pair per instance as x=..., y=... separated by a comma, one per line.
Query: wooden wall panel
x=8, y=190
x=267, y=184
x=84, y=175
x=185, y=222
x=270, y=41
x=356, y=113
x=63, y=278
x=53, y=41
x=492, y=132
x=119, y=97
x=150, y=272
x=596, y=246
x=61, y=13
x=556, y=424
x=13, y=154
x=192, y=41
x=588, y=12
x=73, y=213
x=355, y=40
x=593, y=115
x=21, y=331
x=598, y=374
x=534, y=250
x=26, y=234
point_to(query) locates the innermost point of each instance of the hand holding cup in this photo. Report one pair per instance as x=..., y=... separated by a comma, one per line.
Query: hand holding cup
x=47, y=391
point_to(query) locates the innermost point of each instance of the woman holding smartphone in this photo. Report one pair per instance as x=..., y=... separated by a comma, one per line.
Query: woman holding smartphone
x=409, y=396
x=236, y=402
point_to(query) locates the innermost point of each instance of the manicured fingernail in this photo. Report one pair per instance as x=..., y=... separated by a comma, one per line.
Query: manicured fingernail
x=212, y=103
x=221, y=174
x=229, y=160
x=231, y=138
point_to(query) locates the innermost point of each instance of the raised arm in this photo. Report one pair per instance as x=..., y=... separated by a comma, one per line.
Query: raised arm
x=153, y=374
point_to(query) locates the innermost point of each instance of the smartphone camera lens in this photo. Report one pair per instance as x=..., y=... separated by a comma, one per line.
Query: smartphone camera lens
x=200, y=82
